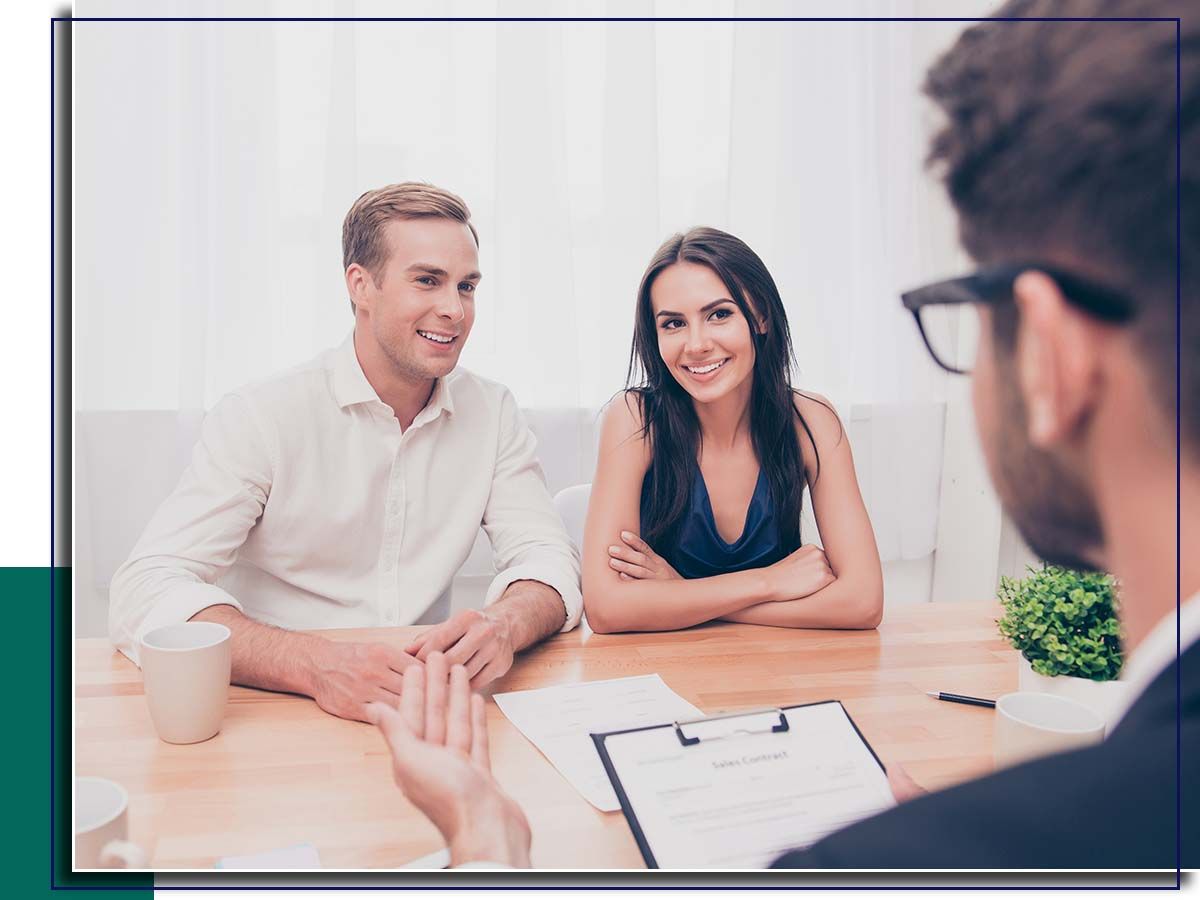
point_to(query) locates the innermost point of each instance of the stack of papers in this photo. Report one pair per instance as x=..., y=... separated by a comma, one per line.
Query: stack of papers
x=559, y=721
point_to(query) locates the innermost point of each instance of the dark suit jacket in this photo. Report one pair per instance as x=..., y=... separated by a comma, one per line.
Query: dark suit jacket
x=1112, y=806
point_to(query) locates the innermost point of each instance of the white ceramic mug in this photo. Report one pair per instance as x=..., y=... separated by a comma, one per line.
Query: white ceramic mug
x=102, y=827
x=186, y=669
x=1029, y=725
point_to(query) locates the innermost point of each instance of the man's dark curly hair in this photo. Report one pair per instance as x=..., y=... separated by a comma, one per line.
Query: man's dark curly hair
x=1059, y=146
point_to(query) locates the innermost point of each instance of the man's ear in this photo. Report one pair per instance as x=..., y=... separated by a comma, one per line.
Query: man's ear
x=1058, y=356
x=359, y=285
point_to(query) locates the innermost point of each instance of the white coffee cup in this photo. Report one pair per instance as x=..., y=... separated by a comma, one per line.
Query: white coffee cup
x=186, y=669
x=102, y=827
x=1029, y=725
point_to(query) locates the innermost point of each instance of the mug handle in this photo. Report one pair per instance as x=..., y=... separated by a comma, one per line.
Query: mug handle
x=122, y=855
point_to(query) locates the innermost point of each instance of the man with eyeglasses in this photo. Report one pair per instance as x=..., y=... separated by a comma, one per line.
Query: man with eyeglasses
x=1061, y=154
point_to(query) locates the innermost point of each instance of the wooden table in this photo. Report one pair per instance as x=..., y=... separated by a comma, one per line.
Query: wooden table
x=282, y=772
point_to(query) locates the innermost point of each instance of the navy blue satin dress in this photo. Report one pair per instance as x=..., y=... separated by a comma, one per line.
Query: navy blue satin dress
x=701, y=552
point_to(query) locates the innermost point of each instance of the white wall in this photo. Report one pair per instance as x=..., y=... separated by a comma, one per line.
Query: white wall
x=214, y=162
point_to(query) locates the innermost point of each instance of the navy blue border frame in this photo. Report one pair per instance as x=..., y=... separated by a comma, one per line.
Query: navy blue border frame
x=459, y=885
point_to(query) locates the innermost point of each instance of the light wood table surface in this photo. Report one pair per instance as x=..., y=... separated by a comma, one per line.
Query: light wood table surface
x=282, y=772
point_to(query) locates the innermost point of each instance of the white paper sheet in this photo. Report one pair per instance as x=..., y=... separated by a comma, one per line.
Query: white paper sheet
x=304, y=856
x=438, y=859
x=741, y=801
x=559, y=722
x=300, y=856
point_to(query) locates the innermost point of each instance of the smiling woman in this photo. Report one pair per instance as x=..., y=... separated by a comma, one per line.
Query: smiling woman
x=695, y=510
x=248, y=140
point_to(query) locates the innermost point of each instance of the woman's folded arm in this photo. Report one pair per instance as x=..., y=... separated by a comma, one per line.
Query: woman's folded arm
x=614, y=604
x=842, y=604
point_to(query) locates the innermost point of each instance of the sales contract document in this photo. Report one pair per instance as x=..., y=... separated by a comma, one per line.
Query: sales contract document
x=741, y=800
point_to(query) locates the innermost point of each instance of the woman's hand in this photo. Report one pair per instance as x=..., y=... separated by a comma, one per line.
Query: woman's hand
x=635, y=560
x=800, y=573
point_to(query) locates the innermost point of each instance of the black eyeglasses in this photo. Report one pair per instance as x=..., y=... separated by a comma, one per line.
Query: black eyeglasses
x=952, y=338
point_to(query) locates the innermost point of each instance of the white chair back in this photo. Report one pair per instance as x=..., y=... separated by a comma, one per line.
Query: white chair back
x=572, y=504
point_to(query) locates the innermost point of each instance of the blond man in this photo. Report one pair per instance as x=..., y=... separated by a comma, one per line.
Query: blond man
x=348, y=491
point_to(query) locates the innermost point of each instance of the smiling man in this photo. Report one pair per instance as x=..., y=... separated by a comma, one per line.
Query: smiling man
x=348, y=491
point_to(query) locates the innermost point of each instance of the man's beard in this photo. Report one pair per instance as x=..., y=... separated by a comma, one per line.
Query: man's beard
x=1049, y=501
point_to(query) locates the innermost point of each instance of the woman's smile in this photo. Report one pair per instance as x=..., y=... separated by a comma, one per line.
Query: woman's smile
x=705, y=372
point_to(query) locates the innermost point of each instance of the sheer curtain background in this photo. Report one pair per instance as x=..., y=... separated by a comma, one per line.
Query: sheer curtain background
x=214, y=162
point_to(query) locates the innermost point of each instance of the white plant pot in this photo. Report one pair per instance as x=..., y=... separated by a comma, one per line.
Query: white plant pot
x=1105, y=698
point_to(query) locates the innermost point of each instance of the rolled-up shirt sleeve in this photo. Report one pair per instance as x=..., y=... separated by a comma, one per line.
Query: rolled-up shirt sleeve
x=529, y=541
x=195, y=535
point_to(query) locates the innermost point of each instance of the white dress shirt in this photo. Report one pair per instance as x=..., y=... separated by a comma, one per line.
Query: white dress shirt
x=305, y=506
x=1157, y=651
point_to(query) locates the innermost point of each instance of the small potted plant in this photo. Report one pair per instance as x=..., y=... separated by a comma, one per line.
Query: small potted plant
x=1065, y=625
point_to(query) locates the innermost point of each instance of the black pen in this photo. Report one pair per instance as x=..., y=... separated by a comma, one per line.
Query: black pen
x=959, y=698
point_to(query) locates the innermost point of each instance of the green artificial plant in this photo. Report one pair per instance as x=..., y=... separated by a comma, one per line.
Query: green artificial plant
x=1063, y=621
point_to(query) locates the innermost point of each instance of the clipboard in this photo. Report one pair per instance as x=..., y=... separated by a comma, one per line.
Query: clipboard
x=702, y=730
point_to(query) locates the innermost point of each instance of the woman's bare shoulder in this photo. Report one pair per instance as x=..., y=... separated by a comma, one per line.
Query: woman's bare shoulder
x=820, y=416
x=624, y=409
x=821, y=432
x=622, y=420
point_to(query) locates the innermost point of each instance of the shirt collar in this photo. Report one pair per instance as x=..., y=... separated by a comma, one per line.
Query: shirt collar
x=1157, y=651
x=350, y=385
x=439, y=401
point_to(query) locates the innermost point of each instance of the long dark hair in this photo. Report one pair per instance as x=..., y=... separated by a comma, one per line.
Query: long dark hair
x=669, y=418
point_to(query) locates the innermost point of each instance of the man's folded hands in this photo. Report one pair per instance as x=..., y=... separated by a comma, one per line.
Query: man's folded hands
x=344, y=677
x=479, y=640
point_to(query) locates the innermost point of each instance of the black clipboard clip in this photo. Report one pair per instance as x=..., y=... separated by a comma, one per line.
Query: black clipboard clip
x=733, y=729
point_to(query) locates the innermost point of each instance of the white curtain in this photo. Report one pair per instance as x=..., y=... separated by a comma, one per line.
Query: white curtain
x=214, y=163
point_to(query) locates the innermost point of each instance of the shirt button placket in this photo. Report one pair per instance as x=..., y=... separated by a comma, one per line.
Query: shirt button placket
x=387, y=552
x=398, y=514
x=395, y=517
